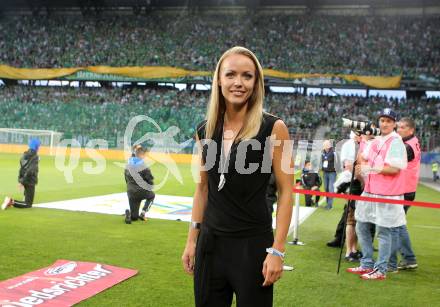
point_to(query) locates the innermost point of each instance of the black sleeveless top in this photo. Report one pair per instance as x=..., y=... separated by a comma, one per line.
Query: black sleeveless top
x=239, y=208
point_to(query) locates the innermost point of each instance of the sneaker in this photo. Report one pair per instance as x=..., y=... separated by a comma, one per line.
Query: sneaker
x=407, y=266
x=359, y=270
x=6, y=203
x=392, y=270
x=335, y=243
x=352, y=257
x=142, y=216
x=374, y=275
x=127, y=217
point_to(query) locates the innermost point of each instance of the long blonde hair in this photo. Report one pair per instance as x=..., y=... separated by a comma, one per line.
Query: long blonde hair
x=217, y=105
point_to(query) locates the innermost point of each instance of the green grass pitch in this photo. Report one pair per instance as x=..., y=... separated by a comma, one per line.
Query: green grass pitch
x=34, y=238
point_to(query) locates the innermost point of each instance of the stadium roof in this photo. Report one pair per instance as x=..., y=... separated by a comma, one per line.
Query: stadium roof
x=6, y=5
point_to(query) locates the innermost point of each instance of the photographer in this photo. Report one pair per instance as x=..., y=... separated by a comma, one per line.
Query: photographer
x=27, y=177
x=380, y=170
x=342, y=185
x=136, y=175
x=362, y=133
x=401, y=240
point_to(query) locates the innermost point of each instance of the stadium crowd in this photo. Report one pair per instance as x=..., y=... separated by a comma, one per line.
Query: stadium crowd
x=328, y=44
x=87, y=113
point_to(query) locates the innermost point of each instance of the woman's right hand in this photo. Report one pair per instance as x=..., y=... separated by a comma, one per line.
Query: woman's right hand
x=188, y=258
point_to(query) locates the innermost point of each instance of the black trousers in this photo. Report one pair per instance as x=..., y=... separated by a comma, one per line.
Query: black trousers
x=135, y=203
x=29, y=193
x=309, y=199
x=408, y=196
x=228, y=265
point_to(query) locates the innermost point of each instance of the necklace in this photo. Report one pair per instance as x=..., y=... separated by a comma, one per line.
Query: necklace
x=222, y=180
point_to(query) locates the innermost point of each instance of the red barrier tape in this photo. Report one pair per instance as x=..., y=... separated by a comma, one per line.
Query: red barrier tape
x=357, y=197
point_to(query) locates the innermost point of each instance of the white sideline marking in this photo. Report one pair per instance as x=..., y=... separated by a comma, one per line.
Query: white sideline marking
x=427, y=226
x=432, y=185
x=164, y=207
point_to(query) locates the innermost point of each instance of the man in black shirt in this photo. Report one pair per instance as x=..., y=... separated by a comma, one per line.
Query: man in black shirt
x=310, y=181
x=27, y=177
x=139, y=185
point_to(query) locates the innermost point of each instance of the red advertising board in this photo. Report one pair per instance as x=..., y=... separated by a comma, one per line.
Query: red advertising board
x=64, y=283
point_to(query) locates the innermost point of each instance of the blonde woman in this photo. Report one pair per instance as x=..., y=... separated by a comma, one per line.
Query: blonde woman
x=231, y=247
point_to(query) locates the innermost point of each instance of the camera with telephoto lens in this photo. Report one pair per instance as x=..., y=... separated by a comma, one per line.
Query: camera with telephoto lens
x=360, y=127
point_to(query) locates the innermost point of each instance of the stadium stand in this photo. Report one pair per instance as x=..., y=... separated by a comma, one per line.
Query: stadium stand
x=366, y=45
x=88, y=113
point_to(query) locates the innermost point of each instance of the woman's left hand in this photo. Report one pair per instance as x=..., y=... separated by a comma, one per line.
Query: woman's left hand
x=272, y=269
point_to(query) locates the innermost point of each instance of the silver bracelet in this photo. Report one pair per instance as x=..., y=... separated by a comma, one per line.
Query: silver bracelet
x=195, y=225
x=275, y=252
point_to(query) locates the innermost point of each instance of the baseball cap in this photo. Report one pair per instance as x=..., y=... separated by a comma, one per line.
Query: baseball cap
x=34, y=144
x=387, y=112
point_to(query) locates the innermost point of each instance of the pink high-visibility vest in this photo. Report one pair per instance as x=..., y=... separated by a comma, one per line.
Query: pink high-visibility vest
x=412, y=172
x=390, y=185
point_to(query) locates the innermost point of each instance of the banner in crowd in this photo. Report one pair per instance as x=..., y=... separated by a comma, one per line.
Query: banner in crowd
x=144, y=73
x=64, y=283
x=372, y=81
